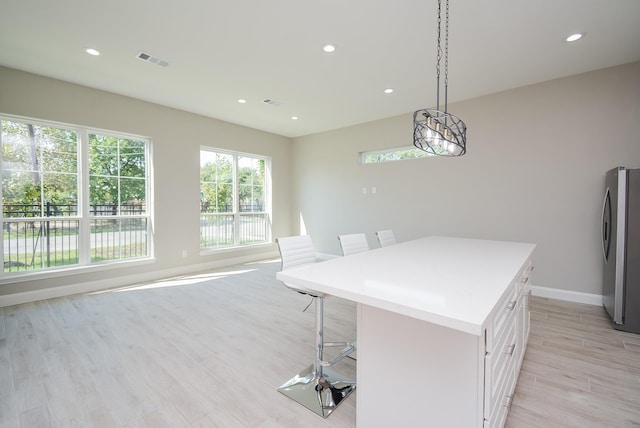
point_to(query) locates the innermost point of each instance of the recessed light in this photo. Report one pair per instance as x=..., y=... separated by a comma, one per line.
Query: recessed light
x=294, y=117
x=574, y=37
x=92, y=51
x=329, y=48
x=388, y=91
x=242, y=101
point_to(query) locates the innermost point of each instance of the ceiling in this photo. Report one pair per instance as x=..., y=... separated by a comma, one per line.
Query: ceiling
x=221, y=51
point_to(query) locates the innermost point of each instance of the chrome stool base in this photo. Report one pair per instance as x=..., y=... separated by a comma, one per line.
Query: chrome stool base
x=320, y=394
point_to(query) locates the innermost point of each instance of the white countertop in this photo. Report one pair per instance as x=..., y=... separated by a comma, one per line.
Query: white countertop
x=453, y=282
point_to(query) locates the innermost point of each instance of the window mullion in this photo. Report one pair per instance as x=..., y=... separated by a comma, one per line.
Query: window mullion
x=84, y=251
x=149, y=202
x=236, y=202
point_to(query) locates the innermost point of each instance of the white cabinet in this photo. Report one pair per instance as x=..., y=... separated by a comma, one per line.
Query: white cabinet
x=506, y=341
x=523, y=313
x=500, y=360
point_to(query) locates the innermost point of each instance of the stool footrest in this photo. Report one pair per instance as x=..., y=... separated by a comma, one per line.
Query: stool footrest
x=348, y=350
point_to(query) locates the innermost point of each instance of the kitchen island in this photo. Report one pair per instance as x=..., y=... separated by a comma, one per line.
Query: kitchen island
x=442, y=327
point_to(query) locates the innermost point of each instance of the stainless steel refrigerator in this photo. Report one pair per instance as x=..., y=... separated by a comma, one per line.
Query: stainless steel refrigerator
x=621, y=248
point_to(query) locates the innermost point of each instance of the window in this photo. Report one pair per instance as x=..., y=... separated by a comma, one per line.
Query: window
x=53, y=215
x=234, y=197
x=390, y=155
x=117, y=195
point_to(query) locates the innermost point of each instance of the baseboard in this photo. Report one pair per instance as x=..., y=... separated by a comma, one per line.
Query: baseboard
x=571, y=296
x=119, y=282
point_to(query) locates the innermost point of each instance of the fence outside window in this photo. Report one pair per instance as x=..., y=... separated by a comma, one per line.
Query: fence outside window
x=38, y=240
x=217, y=229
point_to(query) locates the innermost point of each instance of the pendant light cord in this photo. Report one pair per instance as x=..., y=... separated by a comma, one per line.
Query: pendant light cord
x=446, y=54
x=436, y=131
x=438, y=57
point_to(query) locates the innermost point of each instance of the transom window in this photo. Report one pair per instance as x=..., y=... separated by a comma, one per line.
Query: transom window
x=391, y=155
x=234, y=199
x=54, y=214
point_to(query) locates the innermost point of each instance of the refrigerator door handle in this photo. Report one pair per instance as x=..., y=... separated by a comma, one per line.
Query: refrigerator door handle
x=606, y=224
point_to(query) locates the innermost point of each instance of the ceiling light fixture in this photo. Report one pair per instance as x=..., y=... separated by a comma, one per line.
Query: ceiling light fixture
x=388, y=91
x=436, y=131
x=92, y=51
x=242, y=101
x=329, y=48
x=574, y=37
x=294, y=117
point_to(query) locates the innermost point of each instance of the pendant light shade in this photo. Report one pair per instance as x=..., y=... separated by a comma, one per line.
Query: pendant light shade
x=439, y=133
x=436, y=131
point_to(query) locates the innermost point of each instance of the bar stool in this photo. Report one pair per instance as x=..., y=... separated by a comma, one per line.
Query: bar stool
x=353, y=243
x=317, y=387
x=386, y=237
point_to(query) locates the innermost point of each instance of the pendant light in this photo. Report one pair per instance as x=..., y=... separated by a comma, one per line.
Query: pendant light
x=436, y=131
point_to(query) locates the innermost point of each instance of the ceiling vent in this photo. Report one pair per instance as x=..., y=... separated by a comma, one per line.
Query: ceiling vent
x=152, y=59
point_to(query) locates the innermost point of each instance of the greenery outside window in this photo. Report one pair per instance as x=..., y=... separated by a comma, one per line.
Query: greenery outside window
x=117, y=194
x=234, y=199
x=53, y=214
x=390, y=155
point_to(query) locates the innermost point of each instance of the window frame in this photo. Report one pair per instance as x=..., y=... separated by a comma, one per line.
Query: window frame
x=83, y=212
x=362, y=156
x=119, y=216
x=237, y=212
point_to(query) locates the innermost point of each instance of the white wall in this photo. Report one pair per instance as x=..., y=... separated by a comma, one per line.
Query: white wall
x=176, y=139
x=534, y=172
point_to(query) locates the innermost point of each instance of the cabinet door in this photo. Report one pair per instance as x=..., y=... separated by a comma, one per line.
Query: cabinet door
x=500, y=367
x=506, y=342
x=526, y=298
x=500, y=357
x=503, y=319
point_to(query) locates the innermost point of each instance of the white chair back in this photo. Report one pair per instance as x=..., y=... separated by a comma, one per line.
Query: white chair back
x=297, y=251
x=386, y=237
x=353, y=243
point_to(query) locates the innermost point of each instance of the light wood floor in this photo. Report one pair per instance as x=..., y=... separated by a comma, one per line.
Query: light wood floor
x=209, y=350
x=578, y=371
